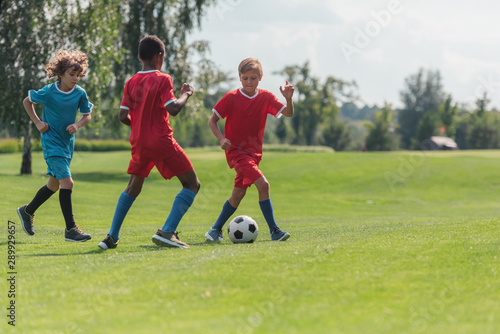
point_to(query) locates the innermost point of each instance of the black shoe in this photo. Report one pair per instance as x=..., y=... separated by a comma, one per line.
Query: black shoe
x=278, y=235
x=108, y=243
x=75, y=234
x=26, y=220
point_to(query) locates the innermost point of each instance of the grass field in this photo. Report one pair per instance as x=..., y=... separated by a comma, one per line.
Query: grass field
x=400, y=242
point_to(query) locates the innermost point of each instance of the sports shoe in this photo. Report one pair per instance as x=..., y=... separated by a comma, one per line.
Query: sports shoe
x=26, y=220
x=168, y=239
x=214, y=235
x=278, y=235
x=108, y=243
x=76, y=234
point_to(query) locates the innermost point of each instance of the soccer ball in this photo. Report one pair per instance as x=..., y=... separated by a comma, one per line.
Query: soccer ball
x=242, y=229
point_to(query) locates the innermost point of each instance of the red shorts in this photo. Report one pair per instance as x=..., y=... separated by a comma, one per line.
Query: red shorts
x=247, y=171
x=176, y=164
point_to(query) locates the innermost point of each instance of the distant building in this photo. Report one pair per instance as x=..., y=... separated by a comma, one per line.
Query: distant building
x=439, y=143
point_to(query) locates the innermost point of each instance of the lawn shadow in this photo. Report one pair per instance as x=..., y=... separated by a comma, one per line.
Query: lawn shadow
x=94, y=251
x=100, y=177
x=47, y=254
x=155, y=248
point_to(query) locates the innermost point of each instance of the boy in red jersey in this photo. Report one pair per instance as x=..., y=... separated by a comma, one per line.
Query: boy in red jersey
x=246, y=110
x=148, y=99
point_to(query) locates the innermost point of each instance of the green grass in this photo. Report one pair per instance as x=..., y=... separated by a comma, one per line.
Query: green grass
x=401, y=242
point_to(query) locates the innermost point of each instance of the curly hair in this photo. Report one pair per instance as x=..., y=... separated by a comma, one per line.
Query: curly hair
x=64, y=60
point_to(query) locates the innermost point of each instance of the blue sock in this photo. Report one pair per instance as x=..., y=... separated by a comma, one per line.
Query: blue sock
x=125, y=201
x=227, y=211
x=181, y=204
x=267, y=210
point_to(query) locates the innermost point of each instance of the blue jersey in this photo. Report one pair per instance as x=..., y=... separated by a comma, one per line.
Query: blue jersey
x=59, y=111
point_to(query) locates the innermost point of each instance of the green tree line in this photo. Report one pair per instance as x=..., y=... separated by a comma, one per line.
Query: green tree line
x=109, y=32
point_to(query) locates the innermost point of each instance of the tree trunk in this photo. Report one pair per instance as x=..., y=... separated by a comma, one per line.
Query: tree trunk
x=26, y=163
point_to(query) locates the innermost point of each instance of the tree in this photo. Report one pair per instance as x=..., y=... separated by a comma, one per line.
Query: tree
x=381, y=135
x=427, y=126
x=316, y=105
x=423, y=93
x=449, y=115
x=484, y=126
x=24, y=47
x=108, y=31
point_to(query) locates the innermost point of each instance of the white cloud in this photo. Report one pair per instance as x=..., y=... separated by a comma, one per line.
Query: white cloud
x=458, y=39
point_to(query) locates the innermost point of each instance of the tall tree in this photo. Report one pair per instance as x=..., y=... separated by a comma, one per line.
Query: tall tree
x=25, y=45
x=423, y=93
x=381, y=136
x=484, y=126
x=107, y=30
x=316, y=103
x=449, y=114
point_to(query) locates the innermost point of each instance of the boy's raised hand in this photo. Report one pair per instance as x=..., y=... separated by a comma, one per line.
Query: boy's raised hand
x=288, y=91
x=187, y=88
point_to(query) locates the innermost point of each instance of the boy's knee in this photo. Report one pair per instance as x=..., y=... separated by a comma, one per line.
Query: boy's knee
x=66, y=183
x=263, y=185
x=194, y=186
x=133, y=190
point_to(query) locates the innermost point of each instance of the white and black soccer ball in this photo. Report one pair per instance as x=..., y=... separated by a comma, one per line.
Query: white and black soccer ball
x=242, y=229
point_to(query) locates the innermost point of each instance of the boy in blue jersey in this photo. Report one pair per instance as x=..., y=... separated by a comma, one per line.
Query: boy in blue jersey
x=61, y=101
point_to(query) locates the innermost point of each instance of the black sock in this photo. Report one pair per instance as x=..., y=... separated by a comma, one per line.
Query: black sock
x=66, y=207
x=41, y=196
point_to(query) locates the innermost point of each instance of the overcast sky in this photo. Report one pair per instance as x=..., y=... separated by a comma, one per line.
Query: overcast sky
x=376, y=43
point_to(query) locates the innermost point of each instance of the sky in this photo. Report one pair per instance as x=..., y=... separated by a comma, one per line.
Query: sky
x=375, y=43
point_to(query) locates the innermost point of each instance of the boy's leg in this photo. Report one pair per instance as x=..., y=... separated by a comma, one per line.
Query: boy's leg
x=267, y=209
x=229, y=207
x=27, y=212
x=125, y=201
x=43, y=194
x=72, y=231
x=65, y=201
x=182, y=201
x=167, y=236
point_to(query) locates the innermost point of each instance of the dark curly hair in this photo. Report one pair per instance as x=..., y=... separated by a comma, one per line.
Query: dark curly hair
x=64, y=60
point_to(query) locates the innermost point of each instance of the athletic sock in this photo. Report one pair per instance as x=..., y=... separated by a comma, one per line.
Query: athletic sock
x=41, y=196
x=125, y=201
x=267, y=210
x=181, y=204
x=67, y=207
x=227, y=211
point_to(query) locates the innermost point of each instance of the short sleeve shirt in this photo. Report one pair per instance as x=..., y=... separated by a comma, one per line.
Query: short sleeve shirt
x=146, y=97
x=246, y=118
x=59, y=111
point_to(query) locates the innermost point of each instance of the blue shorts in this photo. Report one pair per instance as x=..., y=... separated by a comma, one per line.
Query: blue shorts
x=58, y=167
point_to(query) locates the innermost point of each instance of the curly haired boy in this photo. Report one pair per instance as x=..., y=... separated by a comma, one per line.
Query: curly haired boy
x=61, y=101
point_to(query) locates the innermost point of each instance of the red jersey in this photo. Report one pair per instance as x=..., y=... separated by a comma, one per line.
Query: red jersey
x=146, y=96
x=246, y=120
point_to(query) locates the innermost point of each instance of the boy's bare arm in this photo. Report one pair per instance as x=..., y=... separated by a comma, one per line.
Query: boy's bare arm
x=175, y=107
x=73, y=128
x=30, y=110
x=124, y=116
x=287, y=93
x=225, y=144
